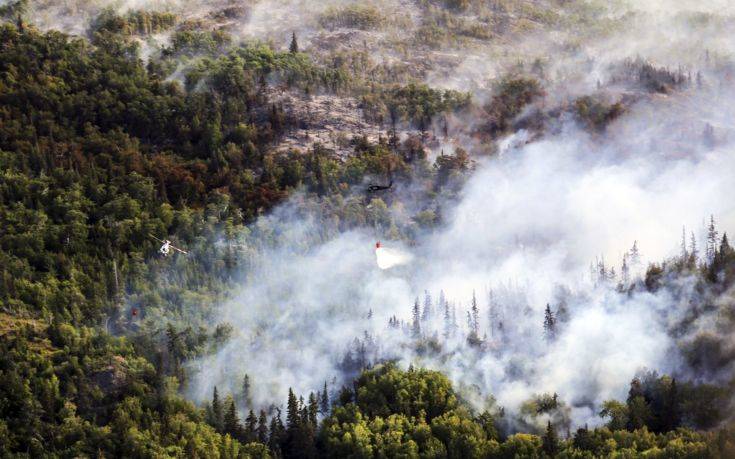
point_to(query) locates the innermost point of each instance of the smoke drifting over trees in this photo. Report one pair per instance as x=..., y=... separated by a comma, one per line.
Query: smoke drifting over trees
x=555, y=236
x=525, y=227
x=527, y=240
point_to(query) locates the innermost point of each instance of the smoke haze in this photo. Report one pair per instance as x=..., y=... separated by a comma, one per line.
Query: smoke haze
x=526, y=227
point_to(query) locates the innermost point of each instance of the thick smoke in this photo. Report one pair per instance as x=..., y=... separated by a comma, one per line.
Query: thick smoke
x=527, y=226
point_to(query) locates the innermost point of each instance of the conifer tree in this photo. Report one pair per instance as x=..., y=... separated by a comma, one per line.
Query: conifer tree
x=711, y=240
x=277, y=433
x=475, y=319
x=549, y=324
x=313, y=409
x=550, y=441
x=635, y=255
x=251, y=427
x=217, y=413
x=625, y=272
x=725, y=248
x=299, y=434
x=324, y=401
x=294, y=47
x=426, y=314
x=693, y=252
x=293, y=414
x=231, y=421
x=416, y=325
x=246, y=396
x=303, y=412
x=263, y=428
x=671, y=416
x=683, y=248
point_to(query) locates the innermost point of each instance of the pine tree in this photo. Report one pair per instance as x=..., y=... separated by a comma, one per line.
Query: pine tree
x=299, y=437
x=684, y=251
x=324, y=401
x=725, y=248
x=693, y=252
x=426, y=314
x=231, y=421
x=217, y=415
x=625, y=272
x=475, y=325
x=246, y=397
x=416, y=326
x=313, y=408
x=251, y=427
x=635, y=255
x=263, y=428
x=292, y=410
x=277, y=433
x=303, y=411
x=294, y=48
x=711, y=240
x=550, y=441
x=549, y=324
x=671, y=416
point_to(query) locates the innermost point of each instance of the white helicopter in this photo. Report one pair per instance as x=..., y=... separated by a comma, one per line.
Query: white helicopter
x=167, y=246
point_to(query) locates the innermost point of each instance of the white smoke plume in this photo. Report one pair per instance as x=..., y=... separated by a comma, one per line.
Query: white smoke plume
x=526, y=228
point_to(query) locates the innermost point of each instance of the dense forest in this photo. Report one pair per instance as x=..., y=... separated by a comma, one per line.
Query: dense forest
x=209, y=140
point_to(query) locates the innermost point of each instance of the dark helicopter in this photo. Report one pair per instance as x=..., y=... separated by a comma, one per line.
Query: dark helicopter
x=372, y=188
x=376, y=188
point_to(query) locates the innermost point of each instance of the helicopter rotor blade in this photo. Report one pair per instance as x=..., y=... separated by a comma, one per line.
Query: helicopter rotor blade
x=154, y=237
x=176, y=248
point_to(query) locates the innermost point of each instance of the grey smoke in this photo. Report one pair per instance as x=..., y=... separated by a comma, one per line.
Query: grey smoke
x=526, y=227
x=527, y=223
